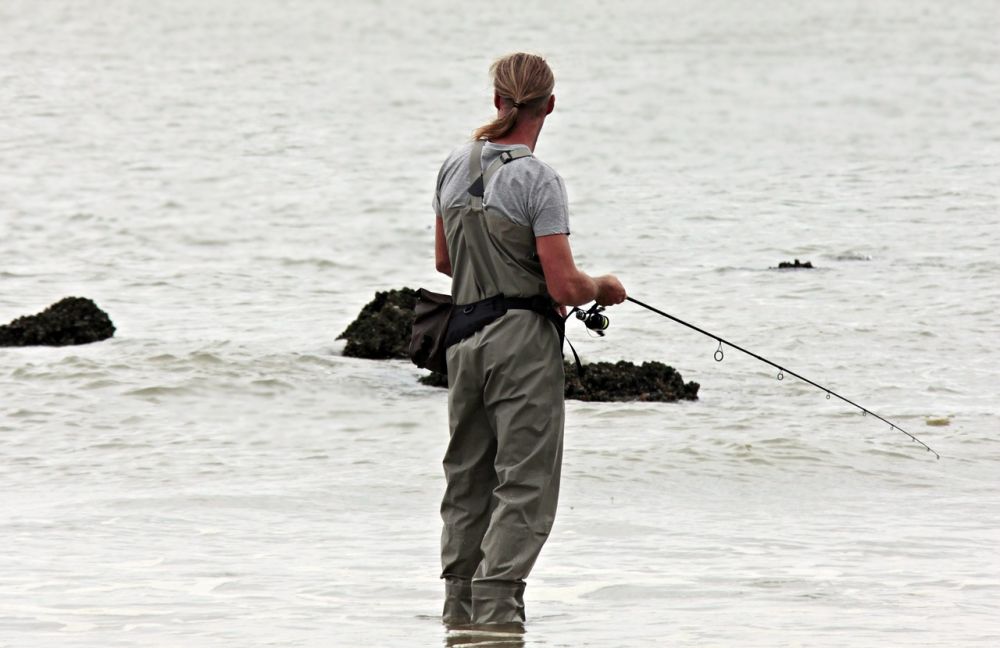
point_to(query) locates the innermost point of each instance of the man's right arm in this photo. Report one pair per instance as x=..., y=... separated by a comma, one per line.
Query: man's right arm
x=566, y=283
x=441, y=259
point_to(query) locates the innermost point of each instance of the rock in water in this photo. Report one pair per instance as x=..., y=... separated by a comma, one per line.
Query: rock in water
x=786, y=265
x=434, y=379
x=618, y=381
x=73, y=320
x=382, y=329
x=624, y=381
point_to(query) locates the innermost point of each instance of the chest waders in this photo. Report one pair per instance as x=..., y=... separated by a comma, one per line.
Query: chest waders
x=505, y=410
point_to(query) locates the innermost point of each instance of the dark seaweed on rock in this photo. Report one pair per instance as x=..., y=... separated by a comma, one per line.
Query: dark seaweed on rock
x=434, y=379
x=619, y=381
x=795, y=265
x=382, y=329
x=72, y=320
x=624, y=381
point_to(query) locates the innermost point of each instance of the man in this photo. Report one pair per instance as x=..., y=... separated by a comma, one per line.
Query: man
x=502, y=232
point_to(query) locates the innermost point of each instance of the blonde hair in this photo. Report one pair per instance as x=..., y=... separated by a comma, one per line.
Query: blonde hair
x=524, y=82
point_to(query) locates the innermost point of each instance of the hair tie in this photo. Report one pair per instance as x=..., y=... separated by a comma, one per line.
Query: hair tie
x=518, y=104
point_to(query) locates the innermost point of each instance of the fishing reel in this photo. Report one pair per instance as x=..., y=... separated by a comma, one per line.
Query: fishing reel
x=594, y=319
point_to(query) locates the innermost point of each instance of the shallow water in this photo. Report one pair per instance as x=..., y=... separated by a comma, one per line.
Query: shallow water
x=233, y=181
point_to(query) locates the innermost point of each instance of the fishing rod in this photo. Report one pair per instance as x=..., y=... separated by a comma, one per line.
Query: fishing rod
x=595, y=320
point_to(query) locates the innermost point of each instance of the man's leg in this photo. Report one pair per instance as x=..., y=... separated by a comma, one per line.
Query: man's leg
x=468, y=467
x=524, y=396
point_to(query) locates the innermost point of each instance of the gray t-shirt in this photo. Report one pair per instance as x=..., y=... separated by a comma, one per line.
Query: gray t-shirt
x=526, y=190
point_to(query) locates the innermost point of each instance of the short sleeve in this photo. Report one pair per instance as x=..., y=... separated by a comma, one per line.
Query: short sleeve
x=550, y=208
x=436, y=201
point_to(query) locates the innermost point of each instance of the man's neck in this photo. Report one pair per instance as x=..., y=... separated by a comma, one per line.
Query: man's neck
x=525, y=132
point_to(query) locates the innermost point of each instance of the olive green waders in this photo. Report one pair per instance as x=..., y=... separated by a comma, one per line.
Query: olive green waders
x=506, y=414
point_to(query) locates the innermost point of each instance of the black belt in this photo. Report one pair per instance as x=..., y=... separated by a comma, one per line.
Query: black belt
x=468, y=319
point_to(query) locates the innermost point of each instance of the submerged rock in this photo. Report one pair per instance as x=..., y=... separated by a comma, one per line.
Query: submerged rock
x=624, y=381
x=615, y=381
x=795, y=264
x=72, y=320
x=434, y=379
x=382, y=329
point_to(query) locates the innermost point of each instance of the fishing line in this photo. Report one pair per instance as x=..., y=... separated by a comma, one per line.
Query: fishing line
x=720, y=354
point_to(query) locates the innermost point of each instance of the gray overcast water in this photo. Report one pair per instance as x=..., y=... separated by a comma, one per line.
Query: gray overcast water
x=232, y=181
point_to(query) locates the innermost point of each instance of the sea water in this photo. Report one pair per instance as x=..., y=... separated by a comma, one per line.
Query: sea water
x=232, y=181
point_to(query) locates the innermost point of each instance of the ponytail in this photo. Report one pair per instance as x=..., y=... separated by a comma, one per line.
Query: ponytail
x=524, y=82
x=499, y=127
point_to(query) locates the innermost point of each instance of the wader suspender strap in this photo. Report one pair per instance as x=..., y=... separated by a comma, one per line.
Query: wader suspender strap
x=475, y=232
x=472, y=230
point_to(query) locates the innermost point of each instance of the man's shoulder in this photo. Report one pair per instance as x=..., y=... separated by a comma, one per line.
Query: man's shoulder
x=531, y=165
x=545, y=170
x=539, y=172
x=454, y=165
x=459, y=154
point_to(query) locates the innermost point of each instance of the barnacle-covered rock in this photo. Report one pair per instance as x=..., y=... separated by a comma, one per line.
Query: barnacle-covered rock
x=72, y=320
x=795, y=265
x=625, y=381
x=382, y=328
x=615, y=381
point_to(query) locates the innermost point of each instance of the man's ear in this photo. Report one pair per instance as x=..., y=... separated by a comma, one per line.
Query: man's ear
x=551, y=105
